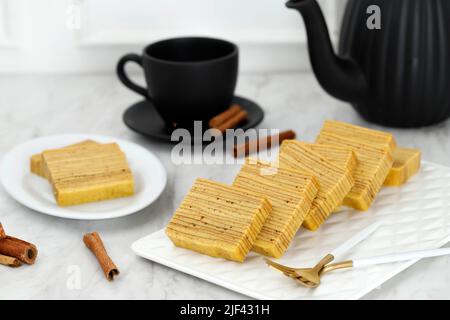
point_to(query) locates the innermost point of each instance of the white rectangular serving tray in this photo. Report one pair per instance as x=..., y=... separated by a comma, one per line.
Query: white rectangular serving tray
x=417, y=216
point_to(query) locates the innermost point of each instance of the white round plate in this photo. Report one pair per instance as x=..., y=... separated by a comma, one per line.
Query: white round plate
x=36, y=193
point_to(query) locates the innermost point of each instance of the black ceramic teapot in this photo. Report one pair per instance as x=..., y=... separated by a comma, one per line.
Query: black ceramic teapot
x=396, y=74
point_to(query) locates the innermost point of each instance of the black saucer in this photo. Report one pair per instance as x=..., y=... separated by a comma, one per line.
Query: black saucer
x=143, y=118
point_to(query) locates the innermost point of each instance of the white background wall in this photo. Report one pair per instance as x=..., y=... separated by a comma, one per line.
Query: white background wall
x=80, y=36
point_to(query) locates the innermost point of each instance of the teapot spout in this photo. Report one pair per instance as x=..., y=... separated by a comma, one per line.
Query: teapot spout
x=341, y=77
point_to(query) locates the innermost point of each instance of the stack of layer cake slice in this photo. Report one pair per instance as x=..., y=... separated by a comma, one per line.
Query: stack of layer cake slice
x=374, y=150
x=85, y=172
x=267, y=203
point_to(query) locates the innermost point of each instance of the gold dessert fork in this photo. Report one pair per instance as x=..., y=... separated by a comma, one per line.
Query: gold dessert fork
x=310, y=277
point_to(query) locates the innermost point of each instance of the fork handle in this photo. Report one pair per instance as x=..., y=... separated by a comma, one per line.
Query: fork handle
x=357, y=238
x=411, y=255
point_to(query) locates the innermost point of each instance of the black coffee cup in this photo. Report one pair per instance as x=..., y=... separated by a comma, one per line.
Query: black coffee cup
x=187, y=78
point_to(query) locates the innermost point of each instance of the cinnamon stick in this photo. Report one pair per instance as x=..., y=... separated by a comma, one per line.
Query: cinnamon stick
x=19, y=249
x=261, y=144
x=2, y=232
x=224, y=116
x=95, y=244
x=233, y=121
x=10, y=261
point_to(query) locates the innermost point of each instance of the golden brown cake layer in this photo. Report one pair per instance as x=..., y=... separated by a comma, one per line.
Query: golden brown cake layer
x=406, y=164
x=291, y=194
x=36, y=163
x=218, y=220
x=374, y=163
x=88, y=173
x=335, y=182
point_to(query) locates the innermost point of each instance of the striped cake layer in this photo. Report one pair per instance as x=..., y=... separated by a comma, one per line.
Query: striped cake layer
x=88, y=173
x=218, y=220
x=335, y=182
x=37, y=165
x=374, y=163
x=371, y=137
x=341, y=156
x=291, y=194
x=406, y=164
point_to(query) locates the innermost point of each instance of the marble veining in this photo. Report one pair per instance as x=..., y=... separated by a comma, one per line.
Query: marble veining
x=33, y=106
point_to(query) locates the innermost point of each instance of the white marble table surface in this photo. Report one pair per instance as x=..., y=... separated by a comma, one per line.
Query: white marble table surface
x=34, y=106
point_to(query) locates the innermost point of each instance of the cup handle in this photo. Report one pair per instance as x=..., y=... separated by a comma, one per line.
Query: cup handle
x=124, y=77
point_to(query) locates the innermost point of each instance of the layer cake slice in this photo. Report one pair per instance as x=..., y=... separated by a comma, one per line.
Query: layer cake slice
x=291, y=194
x=218, y=220
x=374, y=163
x=88, y=173
x=335, y=182
x=374, y=138
x=343, y=157
x=406, y=164
x=37, y=165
